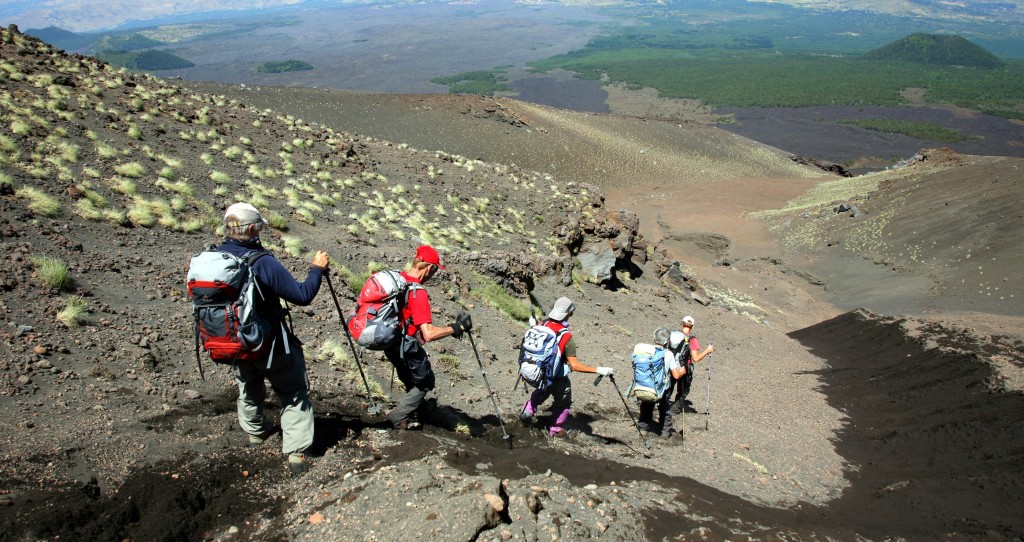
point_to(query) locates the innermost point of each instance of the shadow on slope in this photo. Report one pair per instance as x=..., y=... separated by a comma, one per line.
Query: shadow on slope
x=937, y=450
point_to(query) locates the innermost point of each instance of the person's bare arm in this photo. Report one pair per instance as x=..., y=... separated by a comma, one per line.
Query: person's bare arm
x=430, y=332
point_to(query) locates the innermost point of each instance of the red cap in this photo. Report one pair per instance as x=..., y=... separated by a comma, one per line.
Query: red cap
x=426, y=253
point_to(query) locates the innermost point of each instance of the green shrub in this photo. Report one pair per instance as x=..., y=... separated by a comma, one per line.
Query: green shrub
x=52, y=272
x=73, y=313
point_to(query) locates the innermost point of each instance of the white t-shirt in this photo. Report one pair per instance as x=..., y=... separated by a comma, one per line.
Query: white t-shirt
x=670, y=363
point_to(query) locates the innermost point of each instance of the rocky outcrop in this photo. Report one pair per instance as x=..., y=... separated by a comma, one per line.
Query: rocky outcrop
x=821, y=164
x=607, y=245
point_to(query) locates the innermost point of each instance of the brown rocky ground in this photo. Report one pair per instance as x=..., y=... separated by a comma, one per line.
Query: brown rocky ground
x=108, y=433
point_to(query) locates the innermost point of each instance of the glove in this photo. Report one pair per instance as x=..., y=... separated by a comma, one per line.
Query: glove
x=464, y=321
x=605, y=371
x=462, y=324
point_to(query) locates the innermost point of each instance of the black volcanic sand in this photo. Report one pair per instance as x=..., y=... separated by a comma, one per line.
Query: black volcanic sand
x=815, y=131
x=562, y=92
x=935, y=453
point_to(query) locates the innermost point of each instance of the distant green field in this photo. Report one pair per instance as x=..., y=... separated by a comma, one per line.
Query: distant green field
x=281, y=66
x=756, y=78
x=485, y=82
x=783, y=57
x=918, y=130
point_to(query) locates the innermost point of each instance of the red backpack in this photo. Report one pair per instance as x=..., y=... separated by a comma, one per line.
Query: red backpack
x=223, y=291
x=376, y=322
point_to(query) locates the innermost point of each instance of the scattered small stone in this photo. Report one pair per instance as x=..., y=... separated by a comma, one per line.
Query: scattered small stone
x=232, y=530
x=24, y=380
x=317, y=518
x=495, y=501
x=192, y=394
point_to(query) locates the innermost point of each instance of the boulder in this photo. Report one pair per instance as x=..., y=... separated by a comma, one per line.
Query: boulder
x=597, y=262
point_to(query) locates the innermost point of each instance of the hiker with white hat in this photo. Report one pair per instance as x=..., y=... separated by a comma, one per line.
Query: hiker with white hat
x=285, y=365
x=547, y=357
x=685, y=346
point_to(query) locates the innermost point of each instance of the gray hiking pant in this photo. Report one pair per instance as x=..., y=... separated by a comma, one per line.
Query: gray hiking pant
x=287, y=376
x=412, y=365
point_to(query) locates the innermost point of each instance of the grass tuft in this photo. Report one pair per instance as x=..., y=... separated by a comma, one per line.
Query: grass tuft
x=73, y=314
x=52, y=272
x=39, y=202
x=496, y=296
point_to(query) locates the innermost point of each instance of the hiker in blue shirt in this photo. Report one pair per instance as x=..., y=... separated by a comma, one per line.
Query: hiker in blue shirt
x=285, y=366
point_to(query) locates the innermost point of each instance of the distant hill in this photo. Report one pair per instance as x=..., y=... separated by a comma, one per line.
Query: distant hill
x=63, y=39
x=148, y=60
x=132, y=41
x=936, y=49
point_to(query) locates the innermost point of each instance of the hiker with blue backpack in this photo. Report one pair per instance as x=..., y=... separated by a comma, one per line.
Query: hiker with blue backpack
x=655, y=367
x=236, y=289
x=406, y=352
x=547, y=356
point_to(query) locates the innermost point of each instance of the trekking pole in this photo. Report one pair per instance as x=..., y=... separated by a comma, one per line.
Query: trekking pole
x=643, y=439
x=707, y=405
x=497, y=411
x=374, y=409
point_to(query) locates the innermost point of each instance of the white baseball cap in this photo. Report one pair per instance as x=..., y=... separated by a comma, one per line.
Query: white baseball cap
x=244, y=214
x=563, y=308
x=688, y=320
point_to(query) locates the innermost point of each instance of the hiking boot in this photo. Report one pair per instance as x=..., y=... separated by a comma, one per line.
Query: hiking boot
x=255, y=441
x=677, y=408
x=409, y=425
x=297, y=462
x=644, y=426
x=669, y=434
x=557, y=432
x=526, y=416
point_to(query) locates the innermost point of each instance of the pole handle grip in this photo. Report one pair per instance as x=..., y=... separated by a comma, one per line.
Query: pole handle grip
x=598, y=379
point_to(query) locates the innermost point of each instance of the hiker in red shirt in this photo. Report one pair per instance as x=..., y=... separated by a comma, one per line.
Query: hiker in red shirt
x=685, y=346
x=412, y=365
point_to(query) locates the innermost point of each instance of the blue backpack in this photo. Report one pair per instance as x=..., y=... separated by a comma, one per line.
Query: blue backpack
x=540, y=360
x=648, y=372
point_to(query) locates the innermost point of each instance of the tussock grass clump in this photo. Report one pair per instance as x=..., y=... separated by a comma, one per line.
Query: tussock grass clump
x=141, y=213
x=496, y=296
x=451, y=364
x=293, y=245
x=39, y=202
x=220, y=177
x=73, y=313
x=132, y=170
x=52, y=272
x=277, y=221
x=335, y=354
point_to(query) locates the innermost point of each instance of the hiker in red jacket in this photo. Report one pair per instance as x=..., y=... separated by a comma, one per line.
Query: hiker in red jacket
x=412, y=365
